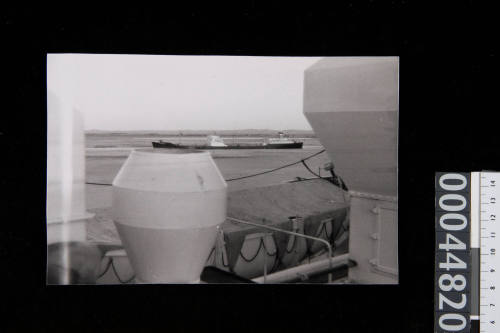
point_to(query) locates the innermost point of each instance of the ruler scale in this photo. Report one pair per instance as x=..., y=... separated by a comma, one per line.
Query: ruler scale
x=467, y=271
x=489, y=267
x=475, y=221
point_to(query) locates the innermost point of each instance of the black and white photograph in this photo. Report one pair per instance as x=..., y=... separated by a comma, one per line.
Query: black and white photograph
x=250, y=167
x=169, y=169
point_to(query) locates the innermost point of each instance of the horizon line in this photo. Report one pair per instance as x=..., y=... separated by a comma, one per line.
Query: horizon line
x=199, y=130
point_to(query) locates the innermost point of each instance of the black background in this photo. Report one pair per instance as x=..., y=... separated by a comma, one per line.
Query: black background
x=447, y=123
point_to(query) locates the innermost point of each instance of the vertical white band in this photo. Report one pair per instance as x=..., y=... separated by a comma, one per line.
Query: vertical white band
x=475, y=210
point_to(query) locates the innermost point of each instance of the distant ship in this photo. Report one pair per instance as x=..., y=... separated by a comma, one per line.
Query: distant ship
x=216, y=142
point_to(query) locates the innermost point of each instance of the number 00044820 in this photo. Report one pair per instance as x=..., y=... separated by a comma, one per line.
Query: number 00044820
x=452, y=252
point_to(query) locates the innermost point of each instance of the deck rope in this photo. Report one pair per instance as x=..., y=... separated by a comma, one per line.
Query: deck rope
x=276, y=169
x=255, y=174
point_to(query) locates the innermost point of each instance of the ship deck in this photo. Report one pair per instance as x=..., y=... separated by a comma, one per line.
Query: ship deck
x=314, y=200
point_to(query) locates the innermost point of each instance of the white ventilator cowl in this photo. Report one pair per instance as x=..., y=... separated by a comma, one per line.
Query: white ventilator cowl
x=167, y=205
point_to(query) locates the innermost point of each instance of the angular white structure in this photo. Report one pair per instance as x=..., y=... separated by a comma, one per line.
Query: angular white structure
x=352, y=105
x=167, y=206
x=215, y=141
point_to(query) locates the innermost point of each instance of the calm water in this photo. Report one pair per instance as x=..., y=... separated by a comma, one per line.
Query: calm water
x=131, y=141
x=102, y=164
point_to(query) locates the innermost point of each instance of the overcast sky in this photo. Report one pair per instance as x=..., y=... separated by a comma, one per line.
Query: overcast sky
x=144, y=92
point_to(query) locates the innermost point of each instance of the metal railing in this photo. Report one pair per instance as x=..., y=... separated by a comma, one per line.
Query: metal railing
x=326, y=243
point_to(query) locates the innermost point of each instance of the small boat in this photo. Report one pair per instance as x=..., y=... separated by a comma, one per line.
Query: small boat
x=216, y=142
